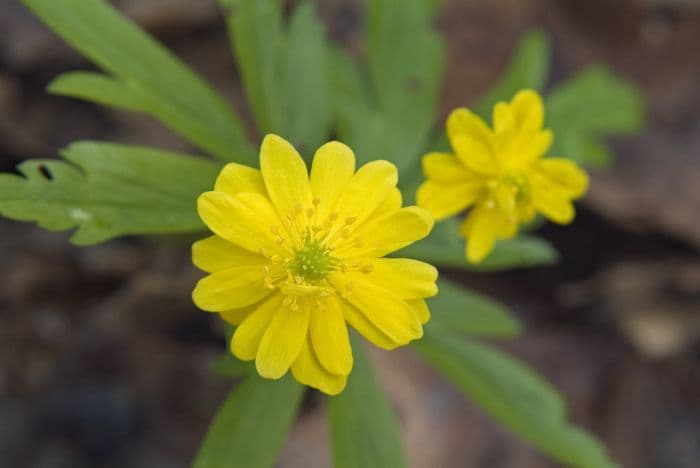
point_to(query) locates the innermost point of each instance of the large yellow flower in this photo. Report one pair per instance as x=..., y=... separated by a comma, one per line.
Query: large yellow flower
x=294, y=257
x=500, y=174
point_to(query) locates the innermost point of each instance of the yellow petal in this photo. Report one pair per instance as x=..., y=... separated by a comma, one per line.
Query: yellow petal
x=329, y=336
x=307, y=370
x=244, y=219
x=476, y=155
x=389, y=313
x=471, y=141
x=391, y=203
x=236, y=316
x=403, y=277
x=285, y=175
x=333, y=166
x=503, y=119
x=366, y=190
x=443, y=199
x=533, y=146
x=485, y=224
x=528, y=110
x=421, y=309
x=383, y=235
x=464, y=122
x=444, y=167
x=215, y=253
x=230, y=289
x=565, y=174
x=283, y=340
x=357, y=320
x=246, y=339
x=235, y=178
x=554, y=204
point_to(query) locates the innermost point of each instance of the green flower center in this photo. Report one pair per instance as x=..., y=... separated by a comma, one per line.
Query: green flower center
x=312, y=261
x=520, y=185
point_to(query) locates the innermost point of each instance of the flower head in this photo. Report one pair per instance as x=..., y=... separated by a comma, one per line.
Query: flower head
x=500, y=174
x=296, y=255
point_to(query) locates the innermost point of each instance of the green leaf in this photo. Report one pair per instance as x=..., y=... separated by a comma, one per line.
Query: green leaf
x=363, y=428
x=250, y=427
x=445, y=247
x=108, y=190
x=405, y=58
x=227, y=365
x=514, y=395
x=592, y=104
x=388, y=110
x=358, y=122
x=284, y=70
x=528, y=68
x=458, y=309
x=145, y=71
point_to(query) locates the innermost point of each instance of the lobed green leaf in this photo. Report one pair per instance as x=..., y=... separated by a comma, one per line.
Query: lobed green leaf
x=107, y=190
x=146, y=76
x=250, y=427
x=445, y=247
x=591, y=105
x=363, y=428
x=514, y=395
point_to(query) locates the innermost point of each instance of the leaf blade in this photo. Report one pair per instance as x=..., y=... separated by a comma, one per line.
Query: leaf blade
x=115, y=44
x=364, y=432
x=250, y=427
x=515, y=396
x=107, y=190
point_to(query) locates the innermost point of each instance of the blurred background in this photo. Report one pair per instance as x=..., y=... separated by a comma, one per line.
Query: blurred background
x=104, y=361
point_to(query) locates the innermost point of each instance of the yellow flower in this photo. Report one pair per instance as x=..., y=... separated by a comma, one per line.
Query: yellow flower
x=500, y=174
x=296, y=256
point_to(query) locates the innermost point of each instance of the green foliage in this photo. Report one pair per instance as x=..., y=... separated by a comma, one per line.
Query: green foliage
x=363, y=428
x=590, y=105
x=387, y=111
x=108, y=190
x=515, y=396
x=227, y=365
x=284, y=69
x=146, y=77
x=458, y=309
x=250, y=427
x=445, y=247
x=528, y=68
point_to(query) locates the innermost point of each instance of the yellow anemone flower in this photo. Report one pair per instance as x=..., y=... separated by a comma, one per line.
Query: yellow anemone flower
x=500, y=174
x=296, y=255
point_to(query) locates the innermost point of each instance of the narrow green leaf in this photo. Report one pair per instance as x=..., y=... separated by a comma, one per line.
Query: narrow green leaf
x=461, y=310
x=306, y=109
x=358, y=122
x=528, y=68
x=108, y=190
x=227, y=365
x=514, y=395
x=255, y=30
x=405, y=58
x=591, y=105
x=284, y=69
x=363, y=428
x=250, y=427
x=445, y=247
x=175, y=95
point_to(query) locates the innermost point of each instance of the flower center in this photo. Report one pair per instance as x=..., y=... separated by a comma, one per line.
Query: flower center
x=312, y=261
x=519, y=184
x=311, y=243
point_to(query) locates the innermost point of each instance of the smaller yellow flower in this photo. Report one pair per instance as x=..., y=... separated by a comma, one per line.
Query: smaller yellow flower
x=296, y=256
x=500, y=174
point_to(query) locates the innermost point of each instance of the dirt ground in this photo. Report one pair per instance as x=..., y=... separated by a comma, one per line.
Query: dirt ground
x=104, y=360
